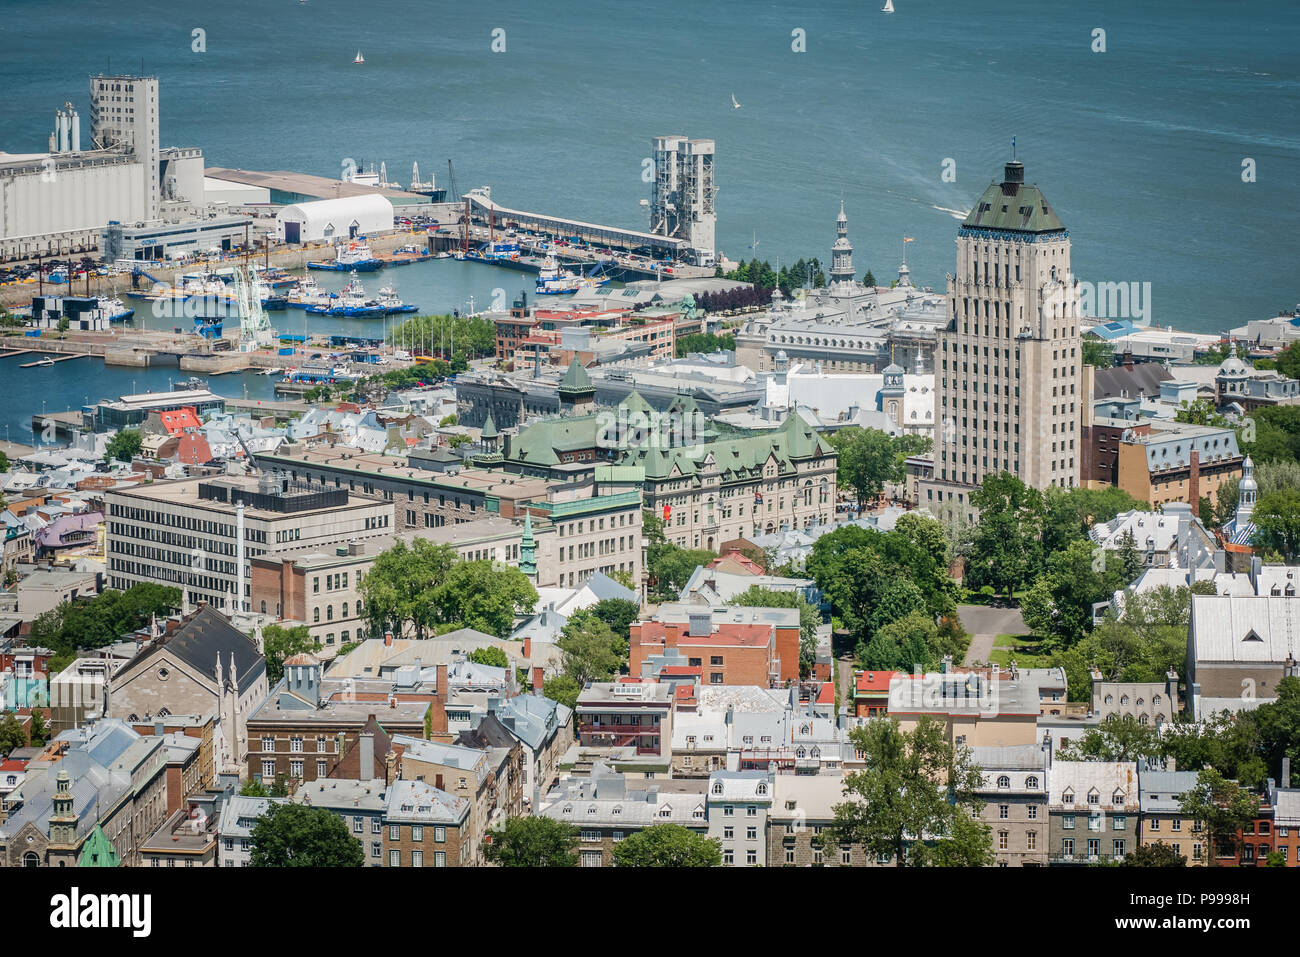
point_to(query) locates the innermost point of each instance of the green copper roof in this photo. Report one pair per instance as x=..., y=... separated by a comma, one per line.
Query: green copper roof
x=737, y=457
x=576, y=379
x=98, y=851
x=634, y=403
x=541, y=442
x=1013, y=206
x=489, y=430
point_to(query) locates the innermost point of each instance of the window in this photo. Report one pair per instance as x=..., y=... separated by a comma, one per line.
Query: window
x=439, y=835
x=1117, y=849
x=1032, y=812
x=394, y=832
x=1067, y=822
x=1004, y=811
x=1004, y=781
x=1031, y=782
x=417, y=858
x=1031, y=840
x=1067, y=847
x=1004, y=840
x=417, y=833
x=394, y=858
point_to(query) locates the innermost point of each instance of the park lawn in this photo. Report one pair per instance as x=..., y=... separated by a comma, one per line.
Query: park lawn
x=1025, y=649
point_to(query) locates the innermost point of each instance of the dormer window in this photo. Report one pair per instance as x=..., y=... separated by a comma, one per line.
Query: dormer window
x=1004, y=781
x=1094, y=796
x=762, y=788
x=1067, y=797
x=1117, y=798
x=1031, y=782
x=717, y=787
x=1252, y=635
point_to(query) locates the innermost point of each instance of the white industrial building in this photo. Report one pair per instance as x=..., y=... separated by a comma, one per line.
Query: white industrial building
x=683, y=201
x=329, y=219
x=57, y=202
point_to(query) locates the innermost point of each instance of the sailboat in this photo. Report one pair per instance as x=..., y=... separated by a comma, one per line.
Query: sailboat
x=734, y=104
x=888, y=7
x=358, y=58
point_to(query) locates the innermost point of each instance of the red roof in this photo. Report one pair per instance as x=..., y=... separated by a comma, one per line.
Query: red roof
x=876, y=682
x=726, y=633
x=178, y=420
x=681, y=670
x=193, y=449
x=826, y=693
x=13, y=764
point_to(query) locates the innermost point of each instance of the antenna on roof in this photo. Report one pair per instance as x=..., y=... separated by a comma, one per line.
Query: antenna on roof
x=1013, y=149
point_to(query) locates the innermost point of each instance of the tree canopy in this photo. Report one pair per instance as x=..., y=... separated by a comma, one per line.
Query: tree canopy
x=667, y=845
x=279, y=643
x=124, y=446
x=915, y=800
x=532, y=842
x=103, y=619
x=295, y=835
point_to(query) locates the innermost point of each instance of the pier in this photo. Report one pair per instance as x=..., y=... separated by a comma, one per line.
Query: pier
x=48, y=360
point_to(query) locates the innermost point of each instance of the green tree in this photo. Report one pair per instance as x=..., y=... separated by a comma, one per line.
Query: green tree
x=869, y=279
x=867, y=460
x=914, y=785
x=253, y=788
x=705, y=342
x=486, y=596
x=38, y=732
x=1006, y=550
x=12, y=733
x=590, y=650
x=532, y=842
x=1158, y=854
x=671, y=568
x=668, y=845
x=124, y=446
x=279, y=643
x=1098, y=353
x=1277, y=523
x=4, y=462
x=491, y=656
x=404, y=584
x=1059, y=605
x=562, y=688
x=295, y=835
x=618, y=613
x=1223, y=806
x=1119, y=738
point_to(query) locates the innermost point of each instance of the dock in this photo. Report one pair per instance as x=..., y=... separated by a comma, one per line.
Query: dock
x=53, y=359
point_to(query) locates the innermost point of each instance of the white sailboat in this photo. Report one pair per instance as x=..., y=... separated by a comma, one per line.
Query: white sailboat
x=735, y=105
x=358, y=58
x=888, y=7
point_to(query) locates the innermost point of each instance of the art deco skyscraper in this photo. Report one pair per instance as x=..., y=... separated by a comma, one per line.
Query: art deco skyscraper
x=1008, y=394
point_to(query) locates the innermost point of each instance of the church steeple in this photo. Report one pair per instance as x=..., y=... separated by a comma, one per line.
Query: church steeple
x=528, y=549
x=63, y=819
x=1247, y=490
x=577, y=393
x=842, y=253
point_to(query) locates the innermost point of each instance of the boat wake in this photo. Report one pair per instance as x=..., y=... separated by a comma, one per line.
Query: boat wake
x=954, y=213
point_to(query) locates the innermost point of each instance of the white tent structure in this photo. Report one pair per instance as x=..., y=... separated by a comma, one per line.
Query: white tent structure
x=328, y=219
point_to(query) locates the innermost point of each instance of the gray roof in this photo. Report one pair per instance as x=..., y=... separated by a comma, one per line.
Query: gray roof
x=343, y=796
x=417, y=802
x=201, y=640
x=1160, y=791
x=533, y=718
x=1243, y=628
x=239, y=813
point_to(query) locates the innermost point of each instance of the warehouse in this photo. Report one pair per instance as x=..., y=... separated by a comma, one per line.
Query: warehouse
x=329, y=219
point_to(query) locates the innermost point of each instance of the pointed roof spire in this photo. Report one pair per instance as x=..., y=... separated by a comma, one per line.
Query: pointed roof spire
x=490, y=428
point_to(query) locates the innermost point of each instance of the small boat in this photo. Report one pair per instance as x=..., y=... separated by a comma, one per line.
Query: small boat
x=356, y=256
x=735, y=105
x=392, y=304
x=271, y=371
x=554, y=281
x=47, y=361
x=358, y=58
x=888, y=7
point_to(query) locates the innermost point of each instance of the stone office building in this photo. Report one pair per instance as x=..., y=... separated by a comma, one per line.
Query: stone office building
x=1008, y=388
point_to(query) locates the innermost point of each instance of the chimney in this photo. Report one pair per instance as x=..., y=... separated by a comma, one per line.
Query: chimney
x=442, y=682
x=539, y=677
x=158, y=729
x=366, y=744
x=1286, y=772
x=437, y=781
x=390, y=767
x=528, y=647
x=388, y=639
